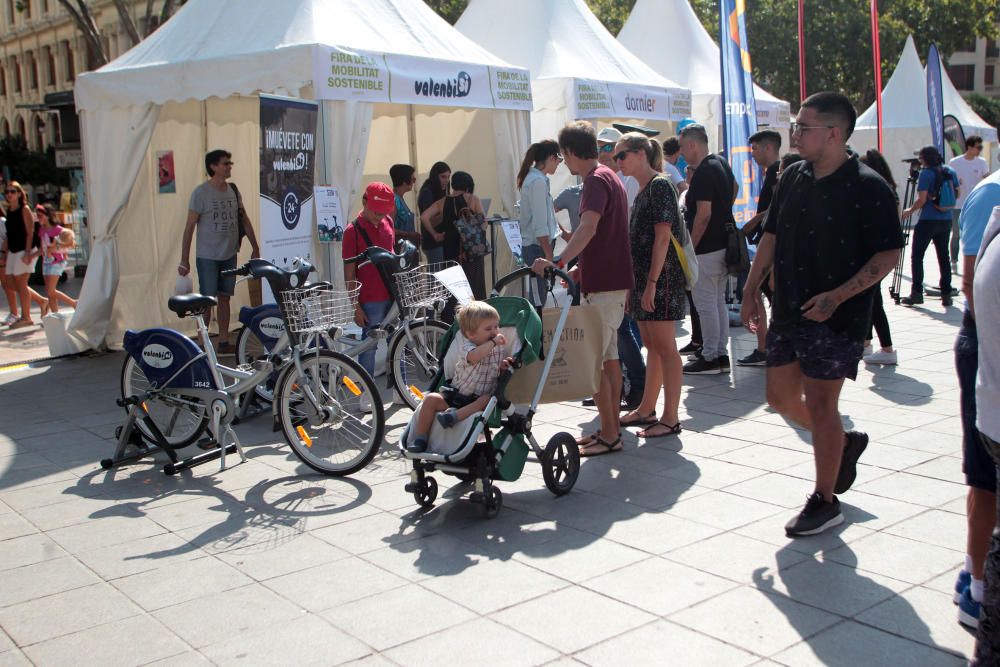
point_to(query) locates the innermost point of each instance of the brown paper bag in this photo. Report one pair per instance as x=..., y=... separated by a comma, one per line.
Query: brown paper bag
x=576, y=368
x=256, y=296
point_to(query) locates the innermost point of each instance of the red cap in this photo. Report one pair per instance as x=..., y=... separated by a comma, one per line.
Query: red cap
x=379, y=198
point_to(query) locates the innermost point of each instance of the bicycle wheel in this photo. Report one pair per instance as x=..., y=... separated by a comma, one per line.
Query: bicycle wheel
x=249, y=348
x=413, y=361
x=181, y=419
x=341, y=438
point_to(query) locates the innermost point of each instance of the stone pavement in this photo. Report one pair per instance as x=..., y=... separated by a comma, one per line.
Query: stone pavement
x=20, y=346
x=671, y=552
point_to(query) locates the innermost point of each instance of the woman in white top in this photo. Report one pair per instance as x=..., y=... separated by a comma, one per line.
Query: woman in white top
x=537, y=213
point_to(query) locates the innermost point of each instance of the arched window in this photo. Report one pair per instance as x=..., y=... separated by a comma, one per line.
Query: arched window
x=50, y=65
x=39, y=139
x=20, y=131
x=5, y=129
x=17, y=73
x=33, y=70
x=70, y=65
x=3, y=80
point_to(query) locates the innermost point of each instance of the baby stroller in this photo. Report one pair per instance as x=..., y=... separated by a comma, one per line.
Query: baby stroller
x=501, y=455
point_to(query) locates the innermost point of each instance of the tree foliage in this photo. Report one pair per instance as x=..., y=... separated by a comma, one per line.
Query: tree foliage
x=838, y=39
x=29, y=166
x=988, y=108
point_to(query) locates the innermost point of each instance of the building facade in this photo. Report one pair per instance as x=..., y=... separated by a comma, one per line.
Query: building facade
x=974, y=69
x=41, y=53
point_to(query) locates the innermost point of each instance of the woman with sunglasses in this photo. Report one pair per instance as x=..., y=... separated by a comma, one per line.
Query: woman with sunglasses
x=22, y=238
x=56, y=240
x=658, y=300
x=537, y=213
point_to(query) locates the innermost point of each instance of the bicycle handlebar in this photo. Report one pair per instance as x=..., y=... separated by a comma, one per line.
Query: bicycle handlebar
x=551, y=273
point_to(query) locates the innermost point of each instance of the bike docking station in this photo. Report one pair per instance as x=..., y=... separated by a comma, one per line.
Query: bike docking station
x=183, y=381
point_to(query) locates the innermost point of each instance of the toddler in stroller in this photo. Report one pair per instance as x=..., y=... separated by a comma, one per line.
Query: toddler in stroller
x=480, y=363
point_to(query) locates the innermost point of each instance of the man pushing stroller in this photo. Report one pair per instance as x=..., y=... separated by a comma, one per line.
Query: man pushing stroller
x=480, y=363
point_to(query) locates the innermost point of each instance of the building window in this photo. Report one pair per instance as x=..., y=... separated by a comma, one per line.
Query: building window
x=45, y=6
x=70, y=65
x=20, y=131
x=969, y=46
x=963, y=76
x=26, y=8
x=33, y=70
x=50, y=65
x=989, y=75
x=3, y=81
x=5, y=129
x=11, y=11
x=17, y=74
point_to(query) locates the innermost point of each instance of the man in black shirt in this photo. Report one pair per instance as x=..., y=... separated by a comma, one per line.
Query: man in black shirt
x=709, y=208
x=765, y=147
x=831, y=233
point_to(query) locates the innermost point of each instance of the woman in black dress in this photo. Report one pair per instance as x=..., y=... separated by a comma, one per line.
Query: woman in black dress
x=432, y=190
x=658, y=300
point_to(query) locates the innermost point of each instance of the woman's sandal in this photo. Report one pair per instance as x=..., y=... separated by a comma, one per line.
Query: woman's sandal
x=604, y=446
x=640, y=421
x=671, y=430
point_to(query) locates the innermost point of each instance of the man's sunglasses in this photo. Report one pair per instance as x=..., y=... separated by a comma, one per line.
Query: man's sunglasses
x=607, y=148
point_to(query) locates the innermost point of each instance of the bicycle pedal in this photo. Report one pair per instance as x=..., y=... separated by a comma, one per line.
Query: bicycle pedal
x=208, y=445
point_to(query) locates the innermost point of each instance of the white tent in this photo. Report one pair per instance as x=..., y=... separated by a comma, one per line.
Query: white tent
x=193, y=85
x=667, y=36
x=905, y=121
x=578, y=70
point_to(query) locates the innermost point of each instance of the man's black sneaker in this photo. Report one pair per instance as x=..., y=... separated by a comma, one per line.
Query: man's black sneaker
x=588, y=402
x=724, y=364
x=855, y=447
x=815, y=517
x=936, y=291
x=912, y=300
x=755, y=358
x=690, y=348
x=946, y=301
x=701, y=366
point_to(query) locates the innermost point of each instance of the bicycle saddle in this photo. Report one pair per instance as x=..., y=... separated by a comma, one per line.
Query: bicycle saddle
x=190, y=304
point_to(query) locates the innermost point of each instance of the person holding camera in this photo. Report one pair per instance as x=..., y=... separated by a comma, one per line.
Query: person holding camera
x=935, y=202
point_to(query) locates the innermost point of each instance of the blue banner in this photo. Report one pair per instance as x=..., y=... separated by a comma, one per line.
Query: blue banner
x=739, y=112
x=935, y=99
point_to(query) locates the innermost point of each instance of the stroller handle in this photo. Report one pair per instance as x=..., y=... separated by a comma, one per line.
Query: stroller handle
x=551, y=274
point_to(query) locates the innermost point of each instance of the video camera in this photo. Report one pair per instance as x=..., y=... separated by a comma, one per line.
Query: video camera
x=914, y=168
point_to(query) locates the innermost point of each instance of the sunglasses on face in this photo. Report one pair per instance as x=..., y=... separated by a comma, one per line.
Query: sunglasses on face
x=621, y=155
x=10, y=192
x=607, y=148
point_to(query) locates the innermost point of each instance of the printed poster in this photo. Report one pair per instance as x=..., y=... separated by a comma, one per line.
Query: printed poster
x=329, y=215
x=287, y=163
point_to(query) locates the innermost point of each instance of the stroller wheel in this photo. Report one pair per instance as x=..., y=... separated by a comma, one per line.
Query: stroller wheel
x=493, y=503
x=427, y=493
x=561, y=463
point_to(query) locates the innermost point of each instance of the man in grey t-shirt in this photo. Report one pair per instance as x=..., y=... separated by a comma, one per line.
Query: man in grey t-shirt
x=214, y=211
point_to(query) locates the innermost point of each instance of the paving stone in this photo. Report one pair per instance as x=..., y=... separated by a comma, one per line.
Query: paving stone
x=180, y=582
x=320, y=588
x=551, y=619
x=496, y=584
x=507, y=647
x=307, y=640
x=211, y=618
x=723, y=510
x=65, y=613
x=397, y=616
x=648, y=645
x=897, y=557
x=302, y=553
x=28, y=549
x=39, y=580
x=764, y=624
x=132, y=641
x=925, y=616
x=659, y=586
x=850, y=644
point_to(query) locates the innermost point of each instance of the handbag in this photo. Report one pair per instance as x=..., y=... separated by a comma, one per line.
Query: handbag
x=241, y=217
x=737, y=253
x=472, y=228
x=686, y=255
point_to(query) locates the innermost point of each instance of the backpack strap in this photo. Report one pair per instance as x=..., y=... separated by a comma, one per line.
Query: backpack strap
x=364, y=234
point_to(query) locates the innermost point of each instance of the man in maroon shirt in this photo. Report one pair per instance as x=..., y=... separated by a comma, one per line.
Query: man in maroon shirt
x=601, y=243
x=373, y=227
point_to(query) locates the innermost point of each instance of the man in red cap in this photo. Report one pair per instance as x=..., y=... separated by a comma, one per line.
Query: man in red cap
x=373, y=227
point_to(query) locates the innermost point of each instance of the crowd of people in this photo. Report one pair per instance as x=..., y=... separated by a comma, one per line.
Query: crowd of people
x=827, y=231
x=29, y=237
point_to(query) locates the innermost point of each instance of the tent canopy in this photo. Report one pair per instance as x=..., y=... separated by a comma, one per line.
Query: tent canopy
x=289, y=45
x=691, y=58
x=193, y=85
x=575, y=63
x=906, y=124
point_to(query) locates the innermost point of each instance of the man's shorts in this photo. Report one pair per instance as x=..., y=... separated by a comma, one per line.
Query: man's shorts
x=823, y=354
x=612, y=313
x=977, y=464
x=210, y=283
x=16, y=265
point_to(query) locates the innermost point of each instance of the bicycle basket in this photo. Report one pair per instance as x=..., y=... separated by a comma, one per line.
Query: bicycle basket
x=420, y=288
x=319, y=309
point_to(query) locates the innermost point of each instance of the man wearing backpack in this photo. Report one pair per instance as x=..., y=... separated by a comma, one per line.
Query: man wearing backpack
x=937, y=191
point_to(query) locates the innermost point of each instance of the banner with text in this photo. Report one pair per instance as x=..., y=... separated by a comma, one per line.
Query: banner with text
x=287, y=162
x=401, y=79
x=935, y=99
x=739, y=114
x=603, y=99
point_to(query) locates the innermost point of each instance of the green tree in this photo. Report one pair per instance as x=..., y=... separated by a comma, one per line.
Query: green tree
x=988, y=108
x=838, y=39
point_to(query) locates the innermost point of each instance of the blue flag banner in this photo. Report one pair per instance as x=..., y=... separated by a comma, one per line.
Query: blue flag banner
x=739, y=118
x=935, y=100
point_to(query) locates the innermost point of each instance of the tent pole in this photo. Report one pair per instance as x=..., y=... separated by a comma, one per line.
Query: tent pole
x=411, y=131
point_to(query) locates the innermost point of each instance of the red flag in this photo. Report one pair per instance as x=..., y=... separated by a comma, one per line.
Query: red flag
x=877, y=58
